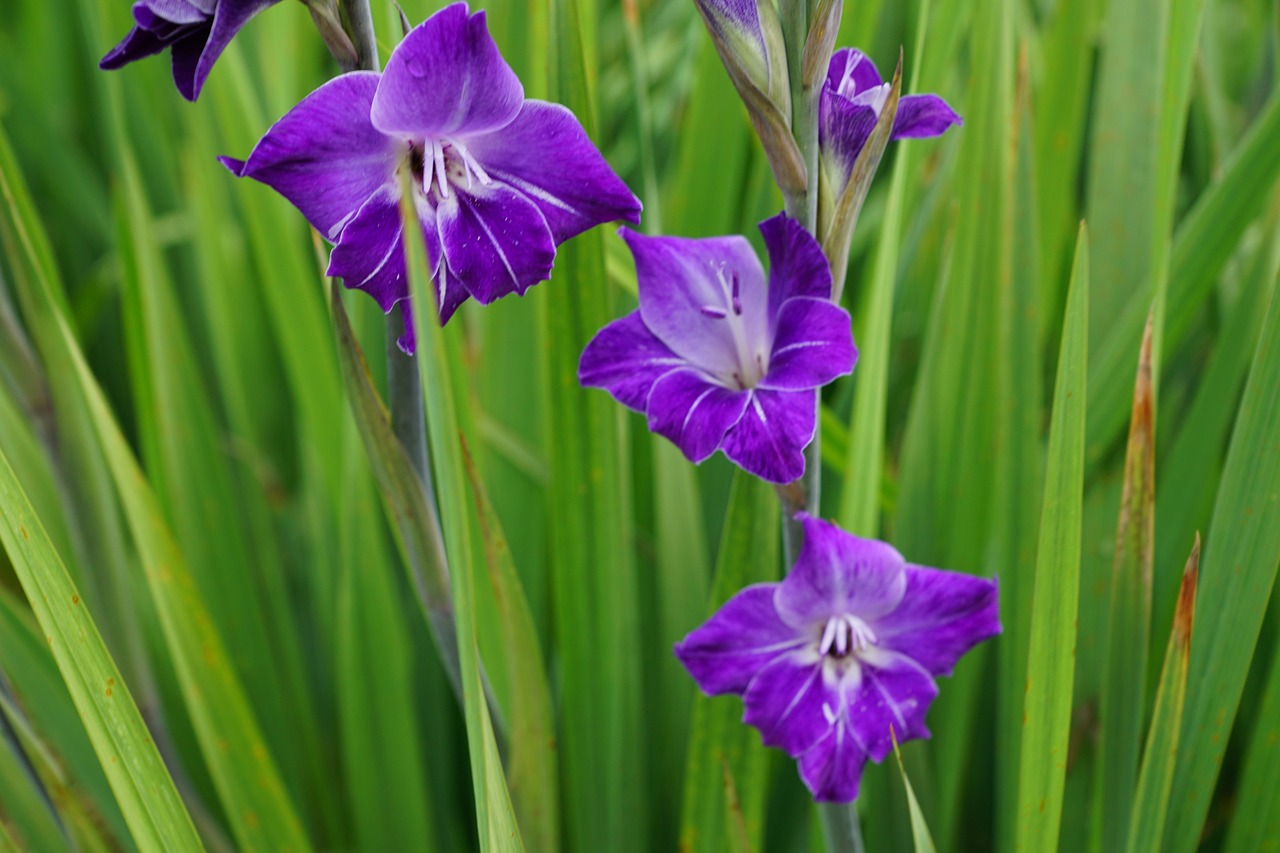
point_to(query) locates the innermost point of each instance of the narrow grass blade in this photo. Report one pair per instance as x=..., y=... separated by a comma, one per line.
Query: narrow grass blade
x=385, y=777
x=1205, y=240
x=533, y=765
x=595, y=588
x=1123, y=702
x=152, y=808
x=1055, y=599
x=721, y=746
x=495, y=817
x=244, y=773
x=919, y=827
x=1159, y=760
x=1240, y=568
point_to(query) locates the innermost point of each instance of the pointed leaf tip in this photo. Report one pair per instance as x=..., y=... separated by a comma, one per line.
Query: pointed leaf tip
x=1184, y=616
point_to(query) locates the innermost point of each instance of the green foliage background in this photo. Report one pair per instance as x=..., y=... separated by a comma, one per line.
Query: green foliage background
x=211, y=631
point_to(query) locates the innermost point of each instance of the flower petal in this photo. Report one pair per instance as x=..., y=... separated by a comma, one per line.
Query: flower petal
x=942, y=616
x=851, y=72
x=686, y=297
x=894, y=693
x=832, y=767
x=791, y=702
x=229, y=17
x=843, y=130
x=797, y=266
x=369, y=255
x=837, y=572
x=923, y=116
x=693, y=412
x=545, y=153
x=447, y=78
x=495, y=240
x=812, y=345
x=626, y=359
x=743, y=637
x=324, y=155
x=770, y=439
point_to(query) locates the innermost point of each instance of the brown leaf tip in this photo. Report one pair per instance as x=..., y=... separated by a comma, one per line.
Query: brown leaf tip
x=1185, y=614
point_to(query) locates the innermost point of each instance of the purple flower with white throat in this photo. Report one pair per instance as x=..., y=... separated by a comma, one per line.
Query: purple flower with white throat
x=498, y=181
x=839, y=659
x=852, y=98
x=195, y=31
x=716, y=360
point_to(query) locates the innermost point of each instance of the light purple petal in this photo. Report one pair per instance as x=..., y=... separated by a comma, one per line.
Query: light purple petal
x=324, y=155
x=545, y=153
x=693, y=412
x=626, y=359
x=942, y=616
x=923, y=116
x=837, y=572
x=770, y=439
x=495, y=240
x=743, y=636
x=832, y=767
x=894, y=692
x=812, y=345
x=789, y=702
x=446, y=79
x=852, y=72
x=797, y=266
x=177, y=11
x=686, y=297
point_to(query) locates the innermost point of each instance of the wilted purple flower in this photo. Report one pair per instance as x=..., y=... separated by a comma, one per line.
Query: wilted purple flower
x=197, y=31
x=498, y=181
x=714, y=359
x=852, y=98
x=842, y=652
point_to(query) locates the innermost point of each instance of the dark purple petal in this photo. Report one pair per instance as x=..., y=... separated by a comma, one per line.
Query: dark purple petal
x=843, y=130
x=686, y=290
x=185, y=55
x=447, y=78
x=789, y=702
x=852, y=72
x=545, y=153
x=369, y=255
x=743, y=637
x=138, y=44
x=626, y=359
x=324, y=155
x=693, y=412
x=812, y=345
x=770, y=438
x=942, y=616
x=228, y=18
x=894, y=692
x=832, y=767
x=836, y=573
x=923, y=116
x=495, y=240
x=797, y=266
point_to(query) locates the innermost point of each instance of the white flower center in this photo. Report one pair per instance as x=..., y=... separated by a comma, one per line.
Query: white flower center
x=751, y=367
x=447, y=161
x=844, y=635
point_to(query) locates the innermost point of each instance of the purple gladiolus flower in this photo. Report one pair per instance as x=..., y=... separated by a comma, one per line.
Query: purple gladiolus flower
x=841, y=653
x=196, y=31
x=852, y=98
x=498, y=181
x=718, y=362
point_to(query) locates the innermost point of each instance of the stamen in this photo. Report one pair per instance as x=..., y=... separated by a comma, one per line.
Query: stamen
x=735, y=301
x=473, y=166
x=441, y=175
x=844, y=634
x=713, y=312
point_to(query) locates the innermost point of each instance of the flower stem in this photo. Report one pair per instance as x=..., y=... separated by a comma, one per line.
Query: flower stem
x=359, y=21
x=840, y=828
